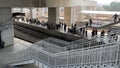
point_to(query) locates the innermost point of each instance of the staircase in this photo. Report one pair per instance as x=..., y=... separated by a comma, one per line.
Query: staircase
x=42, y=56
x=99, y=26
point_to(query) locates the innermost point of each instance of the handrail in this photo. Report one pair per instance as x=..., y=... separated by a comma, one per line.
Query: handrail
x=95, y=41
x=48, y=57
x=87, y=48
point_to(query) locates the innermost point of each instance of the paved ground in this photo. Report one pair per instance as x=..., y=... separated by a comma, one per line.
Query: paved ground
x=18, y=45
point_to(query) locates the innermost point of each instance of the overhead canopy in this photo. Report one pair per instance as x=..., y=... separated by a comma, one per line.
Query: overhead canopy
x=18, y=14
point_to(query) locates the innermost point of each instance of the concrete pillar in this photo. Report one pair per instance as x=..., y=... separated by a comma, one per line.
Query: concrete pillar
x=6, y=26
x=41, y=12
x=53, y=15
x=69, y=15
x=77, y=12
x=37, y=12
x=31, y=14
x=79, y=15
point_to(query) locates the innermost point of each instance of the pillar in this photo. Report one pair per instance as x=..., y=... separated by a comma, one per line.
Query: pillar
x=6, y=26
x=31, y=15
x=69, y=15
x=53, y=15
x=40, y=12
x=37, y=12
x=79, y=14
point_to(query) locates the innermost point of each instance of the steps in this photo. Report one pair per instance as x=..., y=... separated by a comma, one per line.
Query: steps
x=97, y=56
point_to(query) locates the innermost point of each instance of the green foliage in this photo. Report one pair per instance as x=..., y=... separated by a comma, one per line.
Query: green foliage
x=114, y=6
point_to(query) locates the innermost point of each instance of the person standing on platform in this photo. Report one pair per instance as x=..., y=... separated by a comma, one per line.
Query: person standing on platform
x=86, y=24
x=96, y=32
x=90, y=20
x=102, y=33
x=86, y=33
x=74, y=29
x=65, y=27
x=115, y=18
x=93, y=32
x=102, y=36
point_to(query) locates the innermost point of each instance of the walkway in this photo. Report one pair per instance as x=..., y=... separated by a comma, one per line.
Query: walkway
x=18, y=46
x=99, y=26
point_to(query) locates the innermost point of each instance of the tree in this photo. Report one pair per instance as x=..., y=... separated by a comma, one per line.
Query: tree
x=114, y=6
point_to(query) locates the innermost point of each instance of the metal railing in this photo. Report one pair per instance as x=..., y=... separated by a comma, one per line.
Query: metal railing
x=100, y=54
x=97, y=54
x=58, y=42
x=94, y=41
x=53, y=45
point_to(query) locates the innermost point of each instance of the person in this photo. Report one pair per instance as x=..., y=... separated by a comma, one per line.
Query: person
x=65, y=27
x=96, y=32
x=86, y=24
x=116, y=37
x=92, y=32
x=68, y=30
x=86, y=33
x=115, y=17
x=102, y=33
x=90, y=20
x=81, y=29
x=74, y=29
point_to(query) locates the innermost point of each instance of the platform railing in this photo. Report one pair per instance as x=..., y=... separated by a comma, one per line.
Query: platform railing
x=95, y=40
x=99, y=54
x=49, y=47
x=106, y=53
x=53, y=43
x=31, y=53
x=59, y=42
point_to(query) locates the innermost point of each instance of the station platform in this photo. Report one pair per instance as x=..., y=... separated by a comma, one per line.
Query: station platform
x=43, y=33
x=61, y=34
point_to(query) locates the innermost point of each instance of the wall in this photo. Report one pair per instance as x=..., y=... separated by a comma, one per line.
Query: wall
x=69, y=3
x=6, y=27
x=45, y=3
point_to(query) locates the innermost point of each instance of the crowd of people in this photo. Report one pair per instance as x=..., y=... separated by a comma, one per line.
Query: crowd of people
x=83, y=31
x=43, y=23
x=72, y=29
x=63, y=26
x=94, y=32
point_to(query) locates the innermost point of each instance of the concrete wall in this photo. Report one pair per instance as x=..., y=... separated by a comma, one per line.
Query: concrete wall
x=8, y=36
x=37, y=12
x=19, y=3
x=53, y=15
x=69, y=3
x=7, y=31
x=45, y=3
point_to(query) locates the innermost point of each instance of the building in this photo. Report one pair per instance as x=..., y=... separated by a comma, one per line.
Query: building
x=97, y=52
